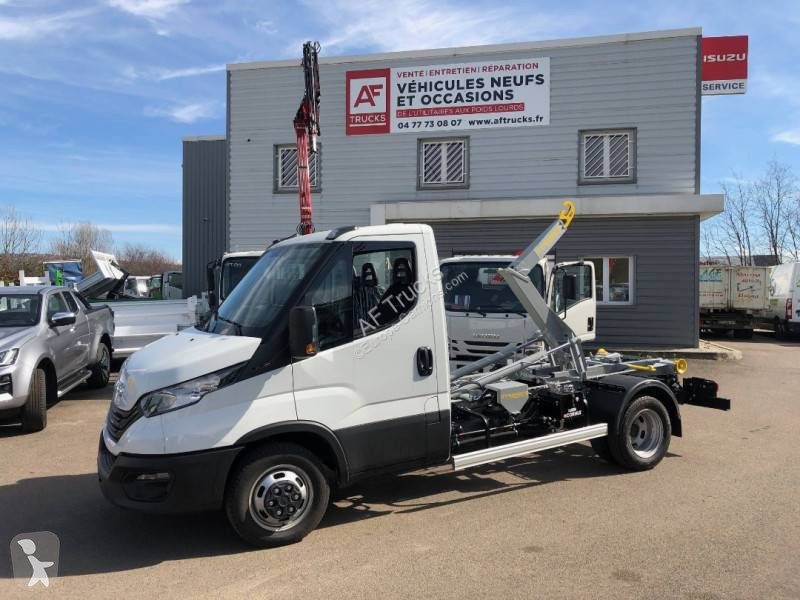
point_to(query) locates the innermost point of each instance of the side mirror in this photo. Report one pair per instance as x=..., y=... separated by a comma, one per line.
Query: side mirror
x=62, y=318
x=570, y=287
x=303, y=332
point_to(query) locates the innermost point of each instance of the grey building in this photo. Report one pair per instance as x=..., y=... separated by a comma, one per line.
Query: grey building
x=205, y=165
x=611, y=122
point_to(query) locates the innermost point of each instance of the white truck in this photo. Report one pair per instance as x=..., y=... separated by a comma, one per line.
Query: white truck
x=226, y=272
x=733, y=298
x=484, y=315
x=304, y=380
x=783, y=314
x=137, y=321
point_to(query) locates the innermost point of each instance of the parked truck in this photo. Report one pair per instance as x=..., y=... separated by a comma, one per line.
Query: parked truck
x=224, y=273
x=303, y=381
x=733, y=298
x=138, y=321
x=51, y=341
x=484, y=315
x=783, y=314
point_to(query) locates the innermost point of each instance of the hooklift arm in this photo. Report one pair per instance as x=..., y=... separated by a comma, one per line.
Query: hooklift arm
x=306, y=128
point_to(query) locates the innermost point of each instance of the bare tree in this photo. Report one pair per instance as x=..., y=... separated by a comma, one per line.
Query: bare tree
x=731, y=233
x=138, y=259
x=19, y=244
x=774, y=198
x=76, y=240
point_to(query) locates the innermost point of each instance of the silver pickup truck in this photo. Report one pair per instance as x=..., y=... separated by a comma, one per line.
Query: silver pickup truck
x=51, y=340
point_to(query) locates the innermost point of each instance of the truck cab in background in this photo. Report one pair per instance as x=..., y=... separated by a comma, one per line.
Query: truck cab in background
x=226, y=272
x=166, y=286
x=784, y=300
x=483, y=314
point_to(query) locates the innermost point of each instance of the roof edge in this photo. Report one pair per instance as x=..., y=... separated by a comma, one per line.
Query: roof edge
x=202, y=138
x=473, y=50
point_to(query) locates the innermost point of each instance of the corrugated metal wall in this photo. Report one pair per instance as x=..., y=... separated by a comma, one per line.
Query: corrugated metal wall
x=665, y=252
x=204, y=209
x=649, y=84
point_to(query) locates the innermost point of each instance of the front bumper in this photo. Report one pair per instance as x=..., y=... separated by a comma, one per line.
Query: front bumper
x=165, y=483
x=13, y=387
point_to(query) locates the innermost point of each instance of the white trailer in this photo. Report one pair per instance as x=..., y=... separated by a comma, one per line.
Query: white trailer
x=784, y=300
x=733, y=298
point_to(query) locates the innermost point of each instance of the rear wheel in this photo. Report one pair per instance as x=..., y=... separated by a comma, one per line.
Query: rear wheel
x=644, y=435
x=743, y=334
x=101, y=370
x=34, y=411
x=277, y=495
x=780, y=329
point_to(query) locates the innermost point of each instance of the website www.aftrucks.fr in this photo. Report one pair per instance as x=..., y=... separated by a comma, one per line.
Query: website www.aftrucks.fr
x=505, y=120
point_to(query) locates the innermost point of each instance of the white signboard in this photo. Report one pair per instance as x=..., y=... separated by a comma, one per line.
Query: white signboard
x=463, y=96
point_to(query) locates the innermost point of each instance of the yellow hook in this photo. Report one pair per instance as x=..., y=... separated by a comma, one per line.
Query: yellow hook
x=567, y=212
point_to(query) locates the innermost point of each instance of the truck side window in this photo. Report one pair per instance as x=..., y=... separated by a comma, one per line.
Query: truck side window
x=583, y=286
x=73, y=306
x=331, y=296
x=82, y=301
x=55, y=304
x=383, y=288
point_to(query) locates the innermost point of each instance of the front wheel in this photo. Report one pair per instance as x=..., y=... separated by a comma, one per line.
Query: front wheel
x=644, y=435
x=277, y=495
x=34, y=411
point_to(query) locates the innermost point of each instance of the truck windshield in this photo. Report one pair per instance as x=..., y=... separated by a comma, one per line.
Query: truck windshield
x=478, y=287
x=19, y=310
x=253, y=306
x=233, y=271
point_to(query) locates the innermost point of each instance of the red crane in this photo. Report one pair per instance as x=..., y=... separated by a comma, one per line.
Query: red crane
x=306, y=128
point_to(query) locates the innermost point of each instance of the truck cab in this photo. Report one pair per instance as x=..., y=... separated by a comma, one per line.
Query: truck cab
x=784, y=299
x=483, y=314
x=226, y=272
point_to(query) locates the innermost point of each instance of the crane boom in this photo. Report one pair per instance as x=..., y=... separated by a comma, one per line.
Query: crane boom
x=306, y=128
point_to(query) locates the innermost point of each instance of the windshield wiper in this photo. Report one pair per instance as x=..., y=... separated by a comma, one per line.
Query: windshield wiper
x=476, y=310
x=238, y=326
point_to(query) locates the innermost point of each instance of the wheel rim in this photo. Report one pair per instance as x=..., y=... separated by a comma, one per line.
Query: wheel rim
x=280, y=498
x=646, y=433
x=105, y=362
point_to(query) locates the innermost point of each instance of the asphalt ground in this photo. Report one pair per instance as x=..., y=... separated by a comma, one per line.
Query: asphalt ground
x=718, y=518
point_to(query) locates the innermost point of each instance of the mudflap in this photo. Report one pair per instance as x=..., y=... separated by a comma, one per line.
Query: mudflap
x=702, y=392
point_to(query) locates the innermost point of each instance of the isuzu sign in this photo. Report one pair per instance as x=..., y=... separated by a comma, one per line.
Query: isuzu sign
x=505, y=93
x=724, y=67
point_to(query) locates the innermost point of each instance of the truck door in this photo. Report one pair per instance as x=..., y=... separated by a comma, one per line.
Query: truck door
x=369, y=382
x=60, y=339
x=572, y=297
x=81, y=334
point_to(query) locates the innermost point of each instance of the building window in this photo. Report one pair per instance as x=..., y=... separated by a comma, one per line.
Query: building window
x=443, y=163
x=286, y=169
x=607, y=156
x=613, y=279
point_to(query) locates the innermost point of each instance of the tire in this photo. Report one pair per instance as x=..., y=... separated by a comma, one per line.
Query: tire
x=780, y=329
x=600, y=446
x=743, y=334
x=101, y=370
x=34, y=411
x=268, y=473
x=644, y=436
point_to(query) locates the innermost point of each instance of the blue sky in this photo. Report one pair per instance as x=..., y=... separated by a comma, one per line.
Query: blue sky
x=96, y=95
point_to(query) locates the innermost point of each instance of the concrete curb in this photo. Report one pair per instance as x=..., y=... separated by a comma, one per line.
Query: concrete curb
x=706, y=351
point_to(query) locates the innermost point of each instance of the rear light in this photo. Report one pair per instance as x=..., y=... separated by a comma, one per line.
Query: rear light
x=788, y=309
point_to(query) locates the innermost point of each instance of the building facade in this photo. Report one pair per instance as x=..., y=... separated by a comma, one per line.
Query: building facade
x=205, y=164
x=610, y=122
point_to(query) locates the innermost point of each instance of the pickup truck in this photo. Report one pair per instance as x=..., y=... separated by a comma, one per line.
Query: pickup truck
x=303, y=381
x=51, y=341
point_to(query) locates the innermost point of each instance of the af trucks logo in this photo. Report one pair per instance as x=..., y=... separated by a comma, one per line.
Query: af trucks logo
x=367, y=101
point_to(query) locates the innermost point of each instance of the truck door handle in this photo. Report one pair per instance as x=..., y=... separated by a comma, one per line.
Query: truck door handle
x=424, y=361
x=590, y=324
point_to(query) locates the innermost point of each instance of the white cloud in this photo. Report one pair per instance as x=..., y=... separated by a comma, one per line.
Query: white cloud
x=790, y=136
x=151, y=9
x=414, y=24
x=31, y=28
x=185, y=113
x=165, y=74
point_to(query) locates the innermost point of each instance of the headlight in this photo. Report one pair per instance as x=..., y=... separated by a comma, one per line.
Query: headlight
x=184, y=394
x=8, y=357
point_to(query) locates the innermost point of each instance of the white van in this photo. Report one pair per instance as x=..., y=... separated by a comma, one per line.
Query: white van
x=784, y=299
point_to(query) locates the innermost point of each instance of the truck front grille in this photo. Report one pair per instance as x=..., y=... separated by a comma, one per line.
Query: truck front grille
x=119, y=420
